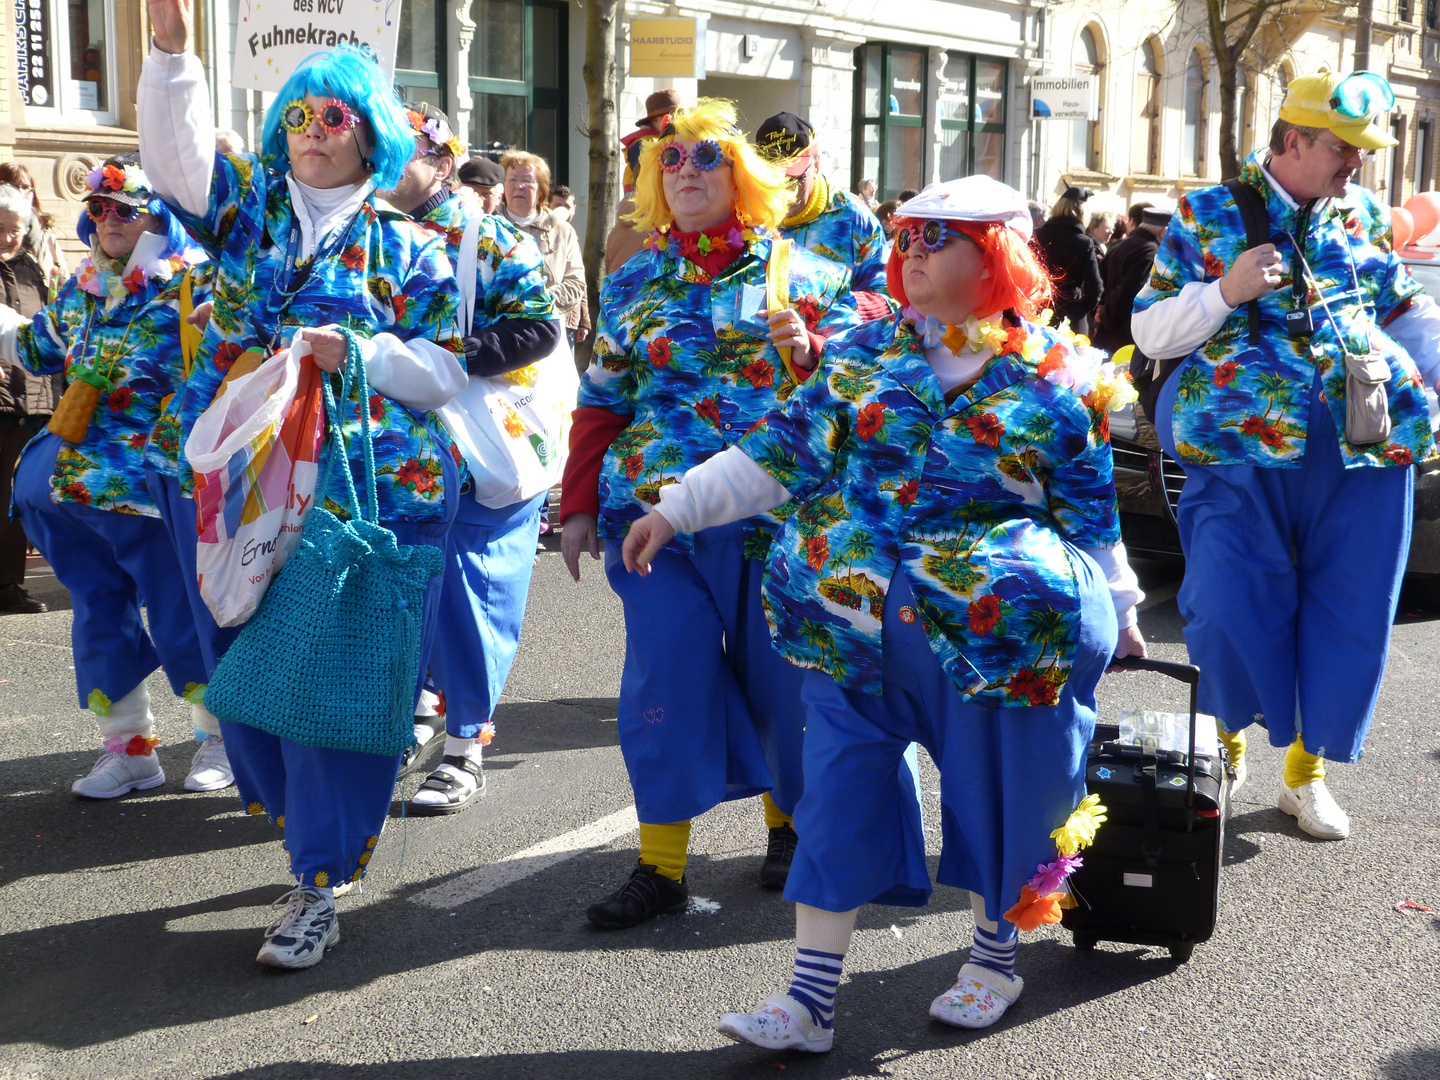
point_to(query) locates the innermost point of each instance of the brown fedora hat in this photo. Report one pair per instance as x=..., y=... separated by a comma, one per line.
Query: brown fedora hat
x=660, y=103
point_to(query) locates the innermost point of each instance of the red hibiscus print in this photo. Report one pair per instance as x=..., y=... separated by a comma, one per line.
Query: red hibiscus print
x=415, y=476
x=808, y=308
x=817, y=551
x=1399, y=455
x=225, y=356
x=1271, y=437
x=660, y=352
x=78, y=492
x=985, y=430
x=1026, y=684
x=984, y=614
x=353, y=257
x=1225, y=373
x=708, y=410
x=377, y=409
x=1354, y=227
x=119, y=399
x=1252, y=425
x=760, y=372
x=1214, y=267
x=137, y=442
x=870, y=420
x=397, y=304
x=906, y=492
x=453, y=236
x=633, y=464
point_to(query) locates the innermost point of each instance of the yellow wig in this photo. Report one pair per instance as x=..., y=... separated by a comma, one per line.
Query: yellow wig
x=762, y=190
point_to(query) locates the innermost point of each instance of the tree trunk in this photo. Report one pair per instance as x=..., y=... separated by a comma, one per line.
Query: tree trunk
x=1364, y=21
x=604, y=133
x=1225, y=67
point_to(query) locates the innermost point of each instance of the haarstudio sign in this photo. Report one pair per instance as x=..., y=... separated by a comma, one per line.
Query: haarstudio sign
x=276, y=35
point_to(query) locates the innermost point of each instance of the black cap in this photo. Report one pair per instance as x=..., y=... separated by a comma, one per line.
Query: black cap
x=783, y=136
x=1078, y=194
x=482, y=171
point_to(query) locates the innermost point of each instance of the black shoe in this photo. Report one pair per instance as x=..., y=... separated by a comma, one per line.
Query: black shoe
x=14, y=600
x=780, y=852
x=416, y=750
x=644, y=896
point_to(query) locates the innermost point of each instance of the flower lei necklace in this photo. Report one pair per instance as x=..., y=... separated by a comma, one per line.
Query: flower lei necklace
x=1046, y=892
x=102, y=276
x=973, y=334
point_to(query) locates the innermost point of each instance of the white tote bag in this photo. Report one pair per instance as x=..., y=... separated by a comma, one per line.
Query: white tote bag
x=512, y=429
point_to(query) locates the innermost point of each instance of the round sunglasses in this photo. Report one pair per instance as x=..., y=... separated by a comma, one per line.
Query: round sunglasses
x=1362, y=94
x=706, y=156
x=96, y=209
x=335, y=117
x=931, y=236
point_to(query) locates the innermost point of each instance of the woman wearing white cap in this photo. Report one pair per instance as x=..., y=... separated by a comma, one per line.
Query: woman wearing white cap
x=954, y=575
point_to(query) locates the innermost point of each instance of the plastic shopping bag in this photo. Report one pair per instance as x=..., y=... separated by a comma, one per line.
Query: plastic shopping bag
x=254, y=453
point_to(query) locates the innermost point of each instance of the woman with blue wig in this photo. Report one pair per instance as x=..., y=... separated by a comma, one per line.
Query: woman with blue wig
x=304, y=251
x=114, y=330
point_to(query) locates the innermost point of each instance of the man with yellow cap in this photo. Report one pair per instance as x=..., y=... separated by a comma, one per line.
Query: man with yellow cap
x=1291, y=392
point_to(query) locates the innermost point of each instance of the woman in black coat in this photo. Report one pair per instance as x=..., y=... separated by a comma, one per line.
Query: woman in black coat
x=1069, y=254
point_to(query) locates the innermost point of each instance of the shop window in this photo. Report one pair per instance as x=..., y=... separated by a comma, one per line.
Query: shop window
x=519, y=79
x=420, y=52
x=65, y=55
x=892, y=117
x=972, y=116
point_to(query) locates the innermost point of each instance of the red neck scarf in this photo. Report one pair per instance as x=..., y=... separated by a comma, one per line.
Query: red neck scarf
x=712, y=250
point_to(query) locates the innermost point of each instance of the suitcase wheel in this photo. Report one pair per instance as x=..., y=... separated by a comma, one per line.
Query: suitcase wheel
x=1180, y=952
x=1084, y=942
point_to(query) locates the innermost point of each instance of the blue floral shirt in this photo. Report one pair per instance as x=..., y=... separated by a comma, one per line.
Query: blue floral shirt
x=689, y=360
x=136, y=346
x=846, y=232
x=976, y=501
x=1239, y=404
x=382, y=273
x=510, y=273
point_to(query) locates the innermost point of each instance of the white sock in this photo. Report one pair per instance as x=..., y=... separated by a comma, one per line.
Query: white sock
x=457, y=747
x=821, y=941
x=427, y=706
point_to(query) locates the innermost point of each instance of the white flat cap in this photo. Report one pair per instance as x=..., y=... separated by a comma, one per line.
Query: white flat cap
x=974, y=198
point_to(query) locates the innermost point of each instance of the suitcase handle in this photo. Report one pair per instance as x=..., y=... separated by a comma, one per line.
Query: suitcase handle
x=1186, y=673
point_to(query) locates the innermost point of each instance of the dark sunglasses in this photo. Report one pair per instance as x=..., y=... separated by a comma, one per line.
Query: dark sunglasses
x=931, y=236
x=706, y=156
x=98, y=208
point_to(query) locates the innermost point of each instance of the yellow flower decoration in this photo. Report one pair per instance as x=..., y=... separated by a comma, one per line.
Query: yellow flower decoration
x=99, y=703
x=280, y=821
x=357, y=875
x=322, y=879
x=254, y=809
x=365, y=859
x=1079, y=829
x=370, y=844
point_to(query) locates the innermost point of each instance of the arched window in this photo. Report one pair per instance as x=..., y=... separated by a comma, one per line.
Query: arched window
x=1146, y=150
x=1085, y=134
x=1192, y=139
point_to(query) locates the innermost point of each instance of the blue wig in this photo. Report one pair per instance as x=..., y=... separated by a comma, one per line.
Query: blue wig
x=350, y=74
x=177, y=240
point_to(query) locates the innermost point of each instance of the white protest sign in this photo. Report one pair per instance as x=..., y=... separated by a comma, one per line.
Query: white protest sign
x=274, y=36
x=1064, y=97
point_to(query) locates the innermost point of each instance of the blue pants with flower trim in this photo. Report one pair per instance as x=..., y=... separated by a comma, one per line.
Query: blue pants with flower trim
x=709, y=711
x=489, y=558
x=112, y=563
x=1292, y=578
x=1008, y=776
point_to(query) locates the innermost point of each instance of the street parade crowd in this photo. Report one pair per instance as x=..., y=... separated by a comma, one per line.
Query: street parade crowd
x=853, y=480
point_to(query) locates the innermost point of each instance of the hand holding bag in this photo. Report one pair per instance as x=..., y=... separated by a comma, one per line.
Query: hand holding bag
x=332, y=657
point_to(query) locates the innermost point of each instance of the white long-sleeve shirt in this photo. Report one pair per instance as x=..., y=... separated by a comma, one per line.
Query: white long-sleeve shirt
x=177, y=136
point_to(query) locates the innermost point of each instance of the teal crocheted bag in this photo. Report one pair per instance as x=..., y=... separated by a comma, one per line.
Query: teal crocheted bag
x=332, y=656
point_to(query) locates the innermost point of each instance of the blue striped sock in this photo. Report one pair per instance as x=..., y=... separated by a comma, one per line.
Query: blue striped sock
x=817, y=974
x=988, y=951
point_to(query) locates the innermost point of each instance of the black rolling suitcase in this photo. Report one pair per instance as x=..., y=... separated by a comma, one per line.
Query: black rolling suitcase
x=1152, y=876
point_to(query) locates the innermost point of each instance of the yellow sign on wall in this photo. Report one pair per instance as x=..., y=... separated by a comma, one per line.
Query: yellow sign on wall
x=667, y=48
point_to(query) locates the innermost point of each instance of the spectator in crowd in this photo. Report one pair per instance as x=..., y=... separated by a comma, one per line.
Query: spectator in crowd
x=229, y=141
x=1127, y=269
x=1069, y=255
x=485, y=178
x=526, y=206
x=43, y=241
x=1037, y=217
x=885, y=212
x=26, y=400
x=906, y=195
x=866, y=191
x=624, y=242
x=1100, y=228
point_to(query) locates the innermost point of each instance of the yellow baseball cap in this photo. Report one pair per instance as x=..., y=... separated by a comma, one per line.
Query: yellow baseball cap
x=1342, y=102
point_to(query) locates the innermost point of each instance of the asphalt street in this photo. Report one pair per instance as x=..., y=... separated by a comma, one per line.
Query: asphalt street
x=128, y=928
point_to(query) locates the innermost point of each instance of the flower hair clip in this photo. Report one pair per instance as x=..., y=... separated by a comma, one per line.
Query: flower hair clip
x=437, y=131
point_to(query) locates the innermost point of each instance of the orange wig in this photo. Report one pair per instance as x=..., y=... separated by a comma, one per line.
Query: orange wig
x=1017, y=281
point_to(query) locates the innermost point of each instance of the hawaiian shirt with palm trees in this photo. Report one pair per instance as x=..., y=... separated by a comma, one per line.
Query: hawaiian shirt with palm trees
x=846, y=232
x=977, y=500
x=689, y=360
x=1243, y=404
x=382, y=273
x=134, y=348
x=510, y=273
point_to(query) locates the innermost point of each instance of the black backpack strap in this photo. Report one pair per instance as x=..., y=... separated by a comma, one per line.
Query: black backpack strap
x=1257, y=231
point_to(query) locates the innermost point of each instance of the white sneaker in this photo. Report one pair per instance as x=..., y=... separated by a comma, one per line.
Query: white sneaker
x=978, y=999
x=1312, y=806
x=780, y=1023
x=305, y=929
x=210, y=768
x=117, y=773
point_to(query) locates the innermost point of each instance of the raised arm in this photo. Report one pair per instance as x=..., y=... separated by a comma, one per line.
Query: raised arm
x=177, y=128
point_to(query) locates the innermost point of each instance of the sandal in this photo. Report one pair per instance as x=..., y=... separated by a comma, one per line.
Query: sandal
x=454, y=785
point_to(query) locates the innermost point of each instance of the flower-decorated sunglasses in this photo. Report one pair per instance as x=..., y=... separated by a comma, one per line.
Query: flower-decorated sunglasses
x=706, y=156
x=96, y=209
x=1362, y=94
x=931, y=235
x=335, y=117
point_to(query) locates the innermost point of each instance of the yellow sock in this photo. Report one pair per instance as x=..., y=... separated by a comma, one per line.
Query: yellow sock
x=775, y=818
x=1301, y=766
x=1234, y=743
x=664, y=847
